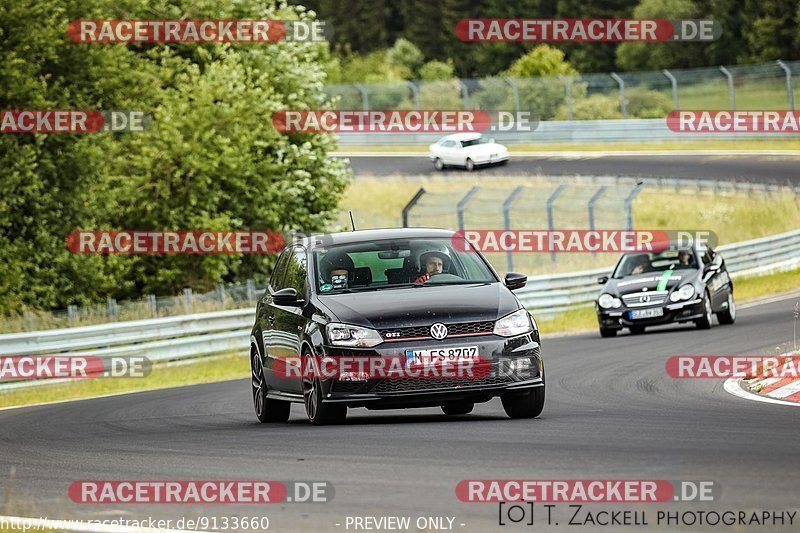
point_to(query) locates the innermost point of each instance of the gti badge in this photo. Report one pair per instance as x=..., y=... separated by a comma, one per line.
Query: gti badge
x=438, y=331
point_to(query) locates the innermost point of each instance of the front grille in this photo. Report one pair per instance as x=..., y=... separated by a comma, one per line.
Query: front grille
x=634, y=299
x=346, y=386
x=424, y=332
x=420, y=384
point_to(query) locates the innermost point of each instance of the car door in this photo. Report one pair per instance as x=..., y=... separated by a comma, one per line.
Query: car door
x=288, y=321
x=450, y=150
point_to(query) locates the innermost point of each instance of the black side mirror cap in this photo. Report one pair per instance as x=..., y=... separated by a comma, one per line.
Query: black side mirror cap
x=287, y=296
x=514, y=280
x=602, y=280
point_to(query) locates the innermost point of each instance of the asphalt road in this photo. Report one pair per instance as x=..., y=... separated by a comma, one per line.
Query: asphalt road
x=611, y=412
x=768, y=169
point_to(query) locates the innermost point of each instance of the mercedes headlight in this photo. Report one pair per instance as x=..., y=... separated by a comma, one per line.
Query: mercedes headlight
x=517, y=323
x=352, y=336
x=684, y=293
x=606, y=301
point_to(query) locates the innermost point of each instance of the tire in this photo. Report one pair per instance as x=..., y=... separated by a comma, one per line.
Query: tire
x=267, y=410
x=437, y=164
x=705, y=322
x=728, y=316
x=318, y=412
x=605, y=332
x=526, y=405
x=458, y=408
x=637, y=330
x=469, y=165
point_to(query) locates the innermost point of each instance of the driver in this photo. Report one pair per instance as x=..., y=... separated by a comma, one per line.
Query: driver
x=339, y=268
x=684, y=257
x=433, y=264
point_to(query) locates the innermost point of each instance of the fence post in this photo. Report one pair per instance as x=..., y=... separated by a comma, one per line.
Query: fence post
x=550, y=219
x=72, y=313
x=251, y=289
x=464, y=94
x=567, y=94
x=111, y=307
x=187, y=299
x=629, y=205
x=593, y=200
x=221, y=292
x=364, y=95
x=415, y=93
x=515, y=89
x=674, y=83
x=623, y=103
x=507, y=222
x=731, y=93
x=789, y=90
x=462, y=204
x=151, y=299
x=410, y=205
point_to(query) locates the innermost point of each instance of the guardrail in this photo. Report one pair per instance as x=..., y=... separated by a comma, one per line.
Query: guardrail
x=181, y=337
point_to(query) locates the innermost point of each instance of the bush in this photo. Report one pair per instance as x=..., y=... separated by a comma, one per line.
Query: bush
x=595, y=107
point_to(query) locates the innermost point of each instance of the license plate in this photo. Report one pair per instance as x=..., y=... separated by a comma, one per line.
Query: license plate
x=441, y=356
x=647, y=313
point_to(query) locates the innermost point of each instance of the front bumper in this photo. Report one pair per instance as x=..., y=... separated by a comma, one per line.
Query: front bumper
x=673, y=312
x=380, y=393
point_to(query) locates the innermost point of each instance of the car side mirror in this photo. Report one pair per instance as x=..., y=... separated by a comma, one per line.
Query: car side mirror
x=602, y=280
x=287, y=296
x=514, y=280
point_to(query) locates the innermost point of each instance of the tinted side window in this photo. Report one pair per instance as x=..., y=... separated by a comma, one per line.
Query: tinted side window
x=709, y=256
x=296, y=270
x=277, y=281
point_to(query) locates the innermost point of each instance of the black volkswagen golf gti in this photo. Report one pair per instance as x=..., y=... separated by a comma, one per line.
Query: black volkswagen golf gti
x=416, y=296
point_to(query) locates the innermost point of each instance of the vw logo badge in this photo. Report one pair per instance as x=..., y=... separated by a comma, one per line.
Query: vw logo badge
x=645, y=298
x=438, y=331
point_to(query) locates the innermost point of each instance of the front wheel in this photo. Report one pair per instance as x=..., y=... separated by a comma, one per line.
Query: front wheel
x=267, y=410
x=705, y=322
x=469, y=165
x=437, y=164
x=728, y=316
x=320, y=413
x=527, y=405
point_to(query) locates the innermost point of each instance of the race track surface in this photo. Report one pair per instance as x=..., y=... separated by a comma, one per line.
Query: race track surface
x=611, y=412
x=755, y=168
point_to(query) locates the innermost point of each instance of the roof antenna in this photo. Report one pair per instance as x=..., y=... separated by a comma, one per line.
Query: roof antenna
x=352, y=222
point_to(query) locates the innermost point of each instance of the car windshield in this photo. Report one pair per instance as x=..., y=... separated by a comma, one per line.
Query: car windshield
x=472, y=142
x=397, y=263
x=642, y=263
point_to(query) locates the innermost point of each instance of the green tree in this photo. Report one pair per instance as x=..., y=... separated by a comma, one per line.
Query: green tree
x=769, y=30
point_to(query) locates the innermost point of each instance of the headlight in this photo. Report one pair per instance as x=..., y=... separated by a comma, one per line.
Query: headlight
x=684, y=293
x=516, y=323
x=353, y=336
x=606, y=301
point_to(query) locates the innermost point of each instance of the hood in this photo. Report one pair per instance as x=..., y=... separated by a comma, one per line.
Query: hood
x=421, y=306
x=485, y=149
x=651, y=281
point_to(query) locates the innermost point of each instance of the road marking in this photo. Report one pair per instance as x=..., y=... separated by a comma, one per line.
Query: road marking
x=786, y=390
x=75, y=525
x=571, y=154
x=733, y=386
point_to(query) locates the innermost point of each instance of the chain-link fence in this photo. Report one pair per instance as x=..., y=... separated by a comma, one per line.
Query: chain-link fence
x=589, y=96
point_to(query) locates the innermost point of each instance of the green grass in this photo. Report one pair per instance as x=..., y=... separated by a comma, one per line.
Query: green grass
x=687, y=145
x=228, y=366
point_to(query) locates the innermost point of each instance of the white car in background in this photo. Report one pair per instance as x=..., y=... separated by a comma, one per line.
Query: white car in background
x=467, y=150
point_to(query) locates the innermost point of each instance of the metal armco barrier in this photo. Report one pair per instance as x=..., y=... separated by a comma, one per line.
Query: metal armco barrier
x=181, y=337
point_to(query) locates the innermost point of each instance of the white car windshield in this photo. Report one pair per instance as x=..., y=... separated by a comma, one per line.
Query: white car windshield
x=473, y=142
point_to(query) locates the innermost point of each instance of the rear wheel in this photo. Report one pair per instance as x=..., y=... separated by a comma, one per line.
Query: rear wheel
x=437, y=164
x=527, y=405
x=705, y=322
x=469, y=165
x=606, y=332
x=728, y=316
x=637, y=330
x=458, y=408
x=320, y=413
x=267, y=410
